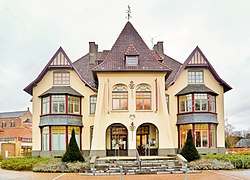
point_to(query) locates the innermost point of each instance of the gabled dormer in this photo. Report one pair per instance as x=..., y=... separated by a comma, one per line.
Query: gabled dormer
x=196, y=63
x=131, y=56
x=61, y=64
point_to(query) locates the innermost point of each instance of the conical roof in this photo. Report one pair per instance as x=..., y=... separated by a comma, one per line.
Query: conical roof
x=130, y=43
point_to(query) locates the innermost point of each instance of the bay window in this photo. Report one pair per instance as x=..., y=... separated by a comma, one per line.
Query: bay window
x=197, y=103
x=204, y=135
x=56, y=104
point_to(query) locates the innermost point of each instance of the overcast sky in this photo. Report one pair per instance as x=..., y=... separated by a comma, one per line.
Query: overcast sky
x=31, y=32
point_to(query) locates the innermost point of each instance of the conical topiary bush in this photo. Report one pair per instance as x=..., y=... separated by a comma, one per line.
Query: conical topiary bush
x=189, y=150
x=73, y=153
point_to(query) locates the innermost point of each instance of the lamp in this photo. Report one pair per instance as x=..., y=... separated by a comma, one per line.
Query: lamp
x=131, y=117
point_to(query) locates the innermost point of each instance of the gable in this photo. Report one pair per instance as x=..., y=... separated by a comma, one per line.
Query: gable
x=60, y=59
x=198, y=59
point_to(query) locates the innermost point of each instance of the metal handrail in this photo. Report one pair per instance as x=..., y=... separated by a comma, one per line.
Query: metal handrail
x=138, y=159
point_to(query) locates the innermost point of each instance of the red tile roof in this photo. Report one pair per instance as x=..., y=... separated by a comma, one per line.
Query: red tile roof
x=16, y=132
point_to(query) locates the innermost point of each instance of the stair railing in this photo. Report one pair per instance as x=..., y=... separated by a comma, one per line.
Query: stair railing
x=138, y=159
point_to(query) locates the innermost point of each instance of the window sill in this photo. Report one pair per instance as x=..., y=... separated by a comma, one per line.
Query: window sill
x=197, y=112
x=55, y=114
x=146, y=110
x=114, y=111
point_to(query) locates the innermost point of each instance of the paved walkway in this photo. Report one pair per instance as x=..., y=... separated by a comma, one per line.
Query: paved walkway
x=205, y=175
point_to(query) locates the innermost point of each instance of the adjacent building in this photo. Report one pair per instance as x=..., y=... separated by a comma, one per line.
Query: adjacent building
x=16, y=133
x=127, y=99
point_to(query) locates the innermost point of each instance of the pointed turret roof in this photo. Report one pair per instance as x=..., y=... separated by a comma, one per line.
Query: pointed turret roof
x=198, y=59
x=59, y=60
x=128, y=43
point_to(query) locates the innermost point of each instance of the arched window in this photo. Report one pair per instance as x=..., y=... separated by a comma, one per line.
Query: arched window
x=12, y=124
x=120, y=97
x=3, y=124
x=143, y=97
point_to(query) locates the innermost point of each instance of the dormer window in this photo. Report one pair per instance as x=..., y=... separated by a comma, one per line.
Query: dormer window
x=131, y=60
x=195, y=77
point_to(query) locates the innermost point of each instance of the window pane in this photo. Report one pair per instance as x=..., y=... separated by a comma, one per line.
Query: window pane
x=212, y=103
x=74, y=105
x=183, y=133
x=45, y=105
x=45, y=140
x=195, y=76
x=93, y=100
x=58, y=104
x=120, y=97
x=132, y=60
x=143, y=97
x=58, y=137
x=198, y=138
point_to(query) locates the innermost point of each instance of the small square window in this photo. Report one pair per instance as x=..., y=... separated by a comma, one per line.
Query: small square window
x=195, y=77
x=61, y=78
x=132, y=60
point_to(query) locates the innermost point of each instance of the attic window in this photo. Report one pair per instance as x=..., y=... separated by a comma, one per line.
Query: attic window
x=132, y=60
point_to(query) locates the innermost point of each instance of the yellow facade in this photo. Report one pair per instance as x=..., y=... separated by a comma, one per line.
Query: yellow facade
x=130, y=119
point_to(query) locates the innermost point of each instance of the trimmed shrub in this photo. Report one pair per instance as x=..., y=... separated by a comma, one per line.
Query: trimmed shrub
x=210, y=164
x=22, y=164
x=189, y=150
x=73, y=153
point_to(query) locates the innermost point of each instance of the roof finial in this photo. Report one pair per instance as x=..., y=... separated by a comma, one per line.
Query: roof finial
x=128, y=12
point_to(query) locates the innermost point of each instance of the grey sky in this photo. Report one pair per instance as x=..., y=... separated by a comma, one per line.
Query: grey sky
x=31, y=32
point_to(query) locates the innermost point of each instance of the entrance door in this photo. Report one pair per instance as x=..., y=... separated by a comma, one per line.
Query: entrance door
x=142, y=141
x=147, y=140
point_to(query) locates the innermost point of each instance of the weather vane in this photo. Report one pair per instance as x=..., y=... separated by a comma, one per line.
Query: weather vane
x=128, y=12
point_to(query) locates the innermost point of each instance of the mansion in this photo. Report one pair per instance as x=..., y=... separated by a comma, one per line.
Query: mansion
x=126, y=100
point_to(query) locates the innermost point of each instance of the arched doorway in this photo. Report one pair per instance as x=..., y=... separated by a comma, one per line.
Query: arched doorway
x=147, y=139
x=117, y=140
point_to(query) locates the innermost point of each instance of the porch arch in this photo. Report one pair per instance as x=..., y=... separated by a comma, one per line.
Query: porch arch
x=147, y=139
x=117, y=140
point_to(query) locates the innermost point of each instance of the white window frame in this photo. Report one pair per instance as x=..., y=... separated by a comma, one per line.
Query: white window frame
x=195, y=76
x=132, y=61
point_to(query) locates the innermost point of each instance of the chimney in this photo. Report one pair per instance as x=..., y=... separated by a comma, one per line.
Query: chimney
x=159, y=48
x=93, y=52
